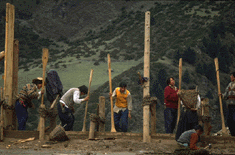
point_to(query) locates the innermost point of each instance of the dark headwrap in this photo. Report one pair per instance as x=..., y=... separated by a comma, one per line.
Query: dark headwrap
x=53, y=85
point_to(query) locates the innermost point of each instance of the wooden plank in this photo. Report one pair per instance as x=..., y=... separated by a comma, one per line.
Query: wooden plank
x=8, y=68
x=146, y=136
x=21, y=134
x=102, y=113
x=2, y=117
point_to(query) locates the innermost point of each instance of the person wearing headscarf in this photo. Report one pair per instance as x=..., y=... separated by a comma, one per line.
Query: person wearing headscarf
x=23, y=102
x=54, y=87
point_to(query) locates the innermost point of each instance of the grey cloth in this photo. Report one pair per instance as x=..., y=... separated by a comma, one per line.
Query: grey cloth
x=185, y=137
x=230, y=92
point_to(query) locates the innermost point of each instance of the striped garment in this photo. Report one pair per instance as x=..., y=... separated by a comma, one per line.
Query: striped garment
x=27, y=93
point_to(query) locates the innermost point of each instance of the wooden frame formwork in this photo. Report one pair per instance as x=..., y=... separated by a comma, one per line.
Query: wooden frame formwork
x=8, y=119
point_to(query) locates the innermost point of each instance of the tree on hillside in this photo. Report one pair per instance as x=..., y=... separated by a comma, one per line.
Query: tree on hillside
x=162, y=77
x=199, y=68
x=225, y=59
x=189, y=56
x=186, y=77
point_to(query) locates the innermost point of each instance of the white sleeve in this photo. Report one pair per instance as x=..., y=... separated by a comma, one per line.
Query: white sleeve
x=76, y=97
x=39, y=95
x=114, y=93
x=198, y=102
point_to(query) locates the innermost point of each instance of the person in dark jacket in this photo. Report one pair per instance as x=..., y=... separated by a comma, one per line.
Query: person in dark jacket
x=54, y=87
x=23, y=102
x=171, y=105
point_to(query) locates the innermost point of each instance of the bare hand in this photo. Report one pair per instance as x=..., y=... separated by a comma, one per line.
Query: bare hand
x=129, y=115
x=42, y=91
x=219, y=94
x=110, y=94
x=86, y=98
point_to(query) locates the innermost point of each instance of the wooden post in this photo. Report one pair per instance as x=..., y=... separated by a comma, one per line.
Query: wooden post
x=2, y=117
x=92, y=130
x=146, y=136
x=180, y=80
x=8, y=68
x=2, y=55
x=220, y=97
x=15, y=77
x=84, y=121
x=102, y=113
x=111, y=98
x=42, y=119
x=153, y=118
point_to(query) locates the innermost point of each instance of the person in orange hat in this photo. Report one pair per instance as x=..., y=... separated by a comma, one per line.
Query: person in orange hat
x=23, y=102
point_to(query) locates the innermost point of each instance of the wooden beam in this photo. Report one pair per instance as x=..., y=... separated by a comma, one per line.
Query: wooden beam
x=9, y=60
x=2, y=117
x=102, y=113
x=146, y=136
x=153, y=118
x=2, y=55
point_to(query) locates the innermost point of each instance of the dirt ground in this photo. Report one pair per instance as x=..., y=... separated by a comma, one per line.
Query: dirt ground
x=99, y=146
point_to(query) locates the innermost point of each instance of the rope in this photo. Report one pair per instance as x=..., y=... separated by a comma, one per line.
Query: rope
x=96, y=118
x=6, y=106
x=149, y=100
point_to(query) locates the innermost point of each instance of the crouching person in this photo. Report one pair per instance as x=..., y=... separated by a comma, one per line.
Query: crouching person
x=66, y=109
x=189, y=139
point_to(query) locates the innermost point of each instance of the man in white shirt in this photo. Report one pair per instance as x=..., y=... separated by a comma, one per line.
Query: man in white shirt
x=66, y=109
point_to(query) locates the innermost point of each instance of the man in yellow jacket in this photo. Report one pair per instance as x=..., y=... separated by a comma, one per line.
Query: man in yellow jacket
x=122, y=108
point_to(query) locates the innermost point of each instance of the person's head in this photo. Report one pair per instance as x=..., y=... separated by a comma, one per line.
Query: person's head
x=170, y=81
x=83, y=89
x=232, y=76
x=122, y=86
x=38, y=82
x=199, y=129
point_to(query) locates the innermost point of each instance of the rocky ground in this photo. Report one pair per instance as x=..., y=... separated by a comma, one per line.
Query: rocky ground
x=113, y=146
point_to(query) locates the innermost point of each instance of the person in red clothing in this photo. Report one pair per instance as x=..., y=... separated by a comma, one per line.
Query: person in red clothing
x=171, y=105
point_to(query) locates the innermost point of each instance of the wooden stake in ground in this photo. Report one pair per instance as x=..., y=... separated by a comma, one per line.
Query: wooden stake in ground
x=42, y=119
x=55, y=101
x=88, y=93
x=111, y=98
x=146, y=135
x=180, y=80
x=8, y=66
x=2, y=119
x=220, y=97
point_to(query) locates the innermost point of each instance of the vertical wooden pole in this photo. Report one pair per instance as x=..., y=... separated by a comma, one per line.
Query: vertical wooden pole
x=2, y=117
x=180, y=80
x=89, y=87
x=42, y=119
x=146, y=136
x=220, y=97
x=111, y=98
x=15, y=77
x=92, y=130
x=8, y=72
x=102, y=113
x=153, y=118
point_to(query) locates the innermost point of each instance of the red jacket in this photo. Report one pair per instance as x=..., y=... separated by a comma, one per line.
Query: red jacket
x=171, y=97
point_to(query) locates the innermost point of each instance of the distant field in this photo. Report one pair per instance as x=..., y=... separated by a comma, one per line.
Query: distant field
x=77, y=73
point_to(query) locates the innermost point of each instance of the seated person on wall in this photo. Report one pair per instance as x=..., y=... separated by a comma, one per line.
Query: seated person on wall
x=23, y=102
x=66, y=106
x=190, y=138
x=189, y=116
